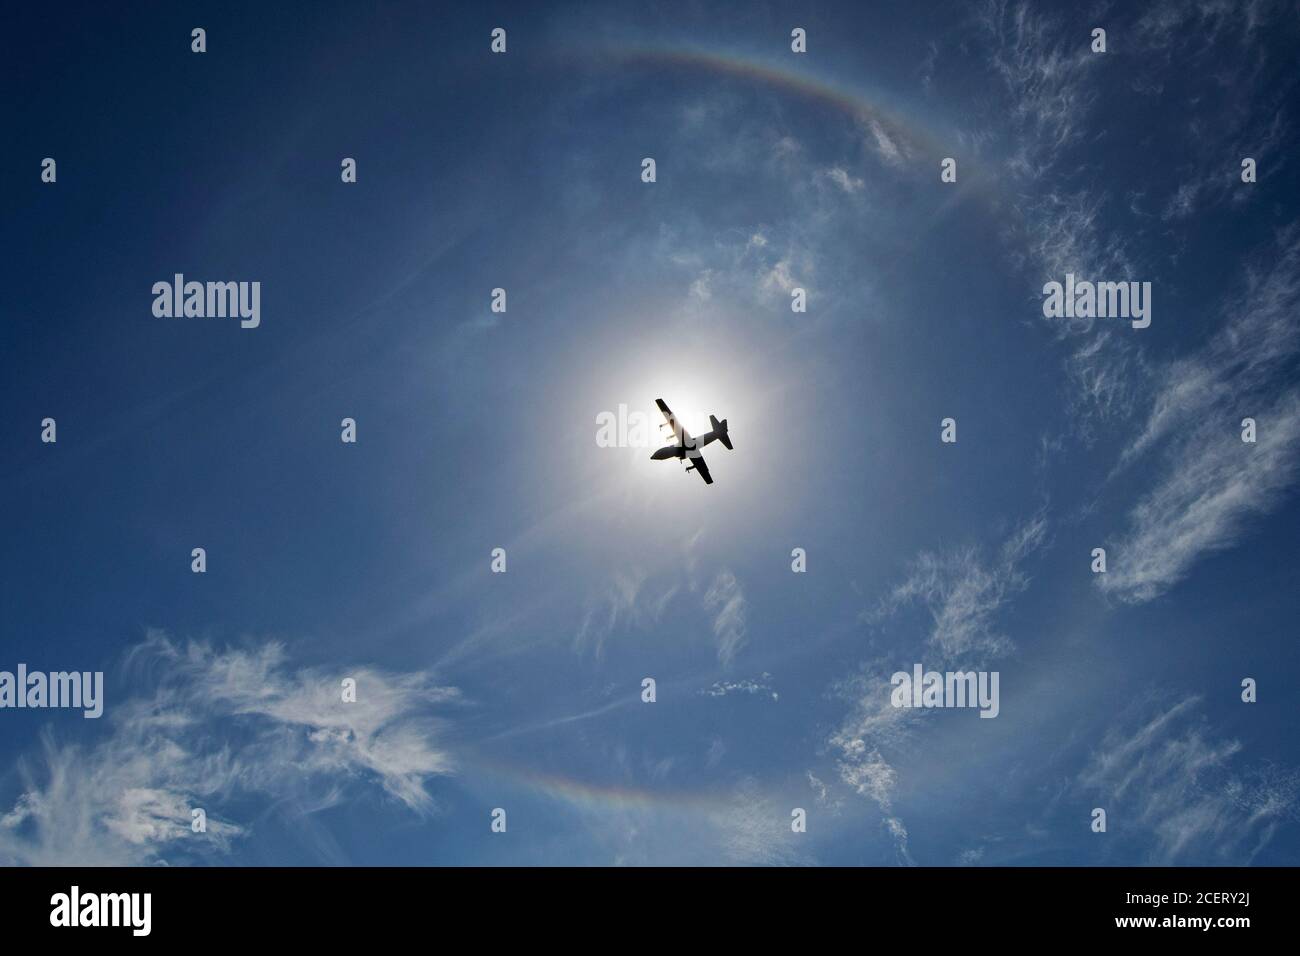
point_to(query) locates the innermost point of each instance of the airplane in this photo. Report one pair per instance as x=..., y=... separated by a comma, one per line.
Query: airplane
x=688, y=447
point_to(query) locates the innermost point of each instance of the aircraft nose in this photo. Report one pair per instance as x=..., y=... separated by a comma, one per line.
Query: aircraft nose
x=666, y=452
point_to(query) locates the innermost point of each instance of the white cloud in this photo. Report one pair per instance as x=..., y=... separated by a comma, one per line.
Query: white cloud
x=1202, y=504
x=1260, y=334
x=1173, y=23
x=629, y=601
x=964, y=590
x=1045, y=71
x=1182, y=203
x=1046, y=75
x=725, y=599
x=1067, y=236
x=841, y=178
x=819, y=788
x=971, y=856
x=887, y=147
x=753, y=829
x=702, y=287
x=220, y=726
x=1212, y=482
x=748, y=686
x=1178, y=781
x=779, y=277
x=927, y=65
x=624, y=602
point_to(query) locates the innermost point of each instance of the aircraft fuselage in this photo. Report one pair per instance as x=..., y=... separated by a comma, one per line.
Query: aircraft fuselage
x=682, y=451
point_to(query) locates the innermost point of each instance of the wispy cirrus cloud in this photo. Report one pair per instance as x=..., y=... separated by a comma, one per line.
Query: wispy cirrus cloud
x=1259, y=338
x=964, y=591
x=1170, y=776
x=1196, y=35
x=844, y=180
x=1169, y=25
x=1047, y=73
x=760, y=685
x=725, y=600
x=1212, y=482
x=1212, y=486
x=624, y=601
x=633, y=601
x=222, y=727
x=1044, y=71
x=753, y=829
x=892, y=151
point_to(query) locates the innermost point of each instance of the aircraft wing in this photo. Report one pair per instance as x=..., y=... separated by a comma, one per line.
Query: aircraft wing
x=702, y=468
x=678, y=431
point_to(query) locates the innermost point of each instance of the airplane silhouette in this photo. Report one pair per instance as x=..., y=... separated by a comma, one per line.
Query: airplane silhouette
x=688, y=447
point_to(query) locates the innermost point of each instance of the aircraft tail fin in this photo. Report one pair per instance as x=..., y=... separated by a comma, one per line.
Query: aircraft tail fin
x=721, y=428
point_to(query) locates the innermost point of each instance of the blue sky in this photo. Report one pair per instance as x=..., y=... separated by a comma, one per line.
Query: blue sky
x=477, y=430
